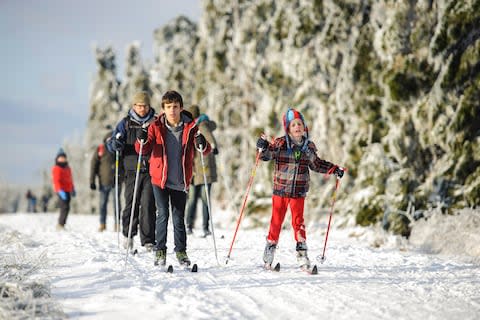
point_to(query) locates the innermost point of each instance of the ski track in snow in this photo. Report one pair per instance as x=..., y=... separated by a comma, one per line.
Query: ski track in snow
x=87, y=273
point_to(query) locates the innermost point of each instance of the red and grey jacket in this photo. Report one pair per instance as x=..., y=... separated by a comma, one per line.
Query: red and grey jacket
x=155, y=146
x=62, y=178
x=291, y=173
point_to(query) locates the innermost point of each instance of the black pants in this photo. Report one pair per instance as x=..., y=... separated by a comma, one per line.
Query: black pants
x=64, y=206
x=195, y=193
x=144, y=212
x=177, y=199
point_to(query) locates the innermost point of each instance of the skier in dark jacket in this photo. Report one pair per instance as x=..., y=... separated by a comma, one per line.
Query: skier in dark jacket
x=32, y=201
x=123, y=140
x=103, y=166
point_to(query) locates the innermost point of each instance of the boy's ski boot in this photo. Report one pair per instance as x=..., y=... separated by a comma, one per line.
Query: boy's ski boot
x=269, y=254
x=183, y=258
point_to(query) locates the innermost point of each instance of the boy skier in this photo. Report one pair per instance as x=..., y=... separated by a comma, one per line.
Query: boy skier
x=171, y=141
x=294, y=154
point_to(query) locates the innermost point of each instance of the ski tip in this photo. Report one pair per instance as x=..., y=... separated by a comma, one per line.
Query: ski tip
x=194, y=267
x=170, y=269
x=310, y=270
x=268, y=266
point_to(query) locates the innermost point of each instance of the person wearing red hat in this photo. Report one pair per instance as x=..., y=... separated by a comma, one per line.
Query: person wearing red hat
x=294, y=155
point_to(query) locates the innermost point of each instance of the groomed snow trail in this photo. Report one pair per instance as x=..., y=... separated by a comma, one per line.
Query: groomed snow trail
x=87, y=273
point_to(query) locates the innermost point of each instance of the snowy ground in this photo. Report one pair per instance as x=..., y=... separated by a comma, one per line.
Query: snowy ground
x=81, y=274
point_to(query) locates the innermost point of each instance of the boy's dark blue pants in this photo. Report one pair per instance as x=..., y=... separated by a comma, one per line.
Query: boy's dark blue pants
x=177, y=200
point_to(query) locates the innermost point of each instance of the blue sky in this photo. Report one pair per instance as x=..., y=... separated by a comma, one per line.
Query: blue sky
x=47, y=64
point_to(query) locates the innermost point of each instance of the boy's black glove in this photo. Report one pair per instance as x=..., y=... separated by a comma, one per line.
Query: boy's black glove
x=200, y=142
x=117, y=145
x=93, y=186
x=142, y=134
x=338, y=172
x=215, y=151
x=262, y=144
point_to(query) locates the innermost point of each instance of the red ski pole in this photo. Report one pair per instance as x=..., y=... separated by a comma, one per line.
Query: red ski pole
x=250, y=181
x=334, y=198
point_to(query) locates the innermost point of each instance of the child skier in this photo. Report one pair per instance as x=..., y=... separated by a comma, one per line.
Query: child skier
x=294, y=155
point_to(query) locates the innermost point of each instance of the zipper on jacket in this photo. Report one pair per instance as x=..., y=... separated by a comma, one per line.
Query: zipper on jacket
x=185, y=187
x=295, y=178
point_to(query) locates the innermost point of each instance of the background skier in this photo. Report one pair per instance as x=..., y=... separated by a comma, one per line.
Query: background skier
x=103, y=166
x=63, y=186
x=31, y=201
x=197, y=189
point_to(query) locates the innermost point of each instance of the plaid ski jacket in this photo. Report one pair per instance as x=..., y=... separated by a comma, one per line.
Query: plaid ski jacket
x=291, y=173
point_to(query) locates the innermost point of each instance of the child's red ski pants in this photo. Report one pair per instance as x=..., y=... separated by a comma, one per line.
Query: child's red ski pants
x=279, y=209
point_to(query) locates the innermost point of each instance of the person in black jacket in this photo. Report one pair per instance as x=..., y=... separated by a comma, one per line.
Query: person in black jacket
x=123, y=139
x=103, y=166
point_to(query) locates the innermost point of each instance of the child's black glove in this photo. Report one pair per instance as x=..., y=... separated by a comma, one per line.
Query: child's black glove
x=215, y=151
x=200, y=142
x=93, y=186
x=338, y=172
x=262, y=144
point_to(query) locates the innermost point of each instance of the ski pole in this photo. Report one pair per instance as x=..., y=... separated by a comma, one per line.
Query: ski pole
x=137, y=173
x=200, y=149
x=117, y=212
x=250, y=181
x=334, y=197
